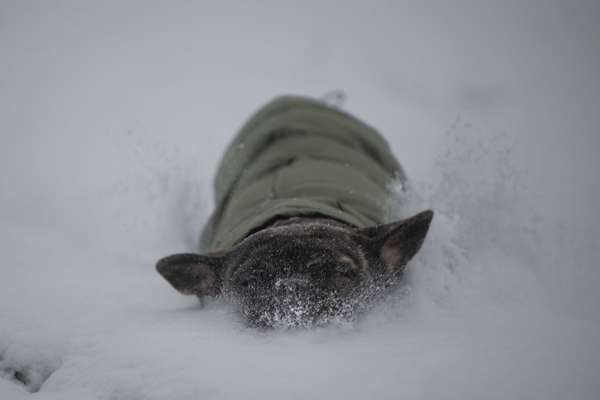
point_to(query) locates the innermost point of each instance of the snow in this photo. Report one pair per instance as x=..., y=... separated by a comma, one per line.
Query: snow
x=113, y=117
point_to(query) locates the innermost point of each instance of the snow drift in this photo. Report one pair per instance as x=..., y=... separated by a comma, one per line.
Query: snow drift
x=113, y=120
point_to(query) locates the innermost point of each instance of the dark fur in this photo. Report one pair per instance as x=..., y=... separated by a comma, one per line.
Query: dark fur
x=302, y=271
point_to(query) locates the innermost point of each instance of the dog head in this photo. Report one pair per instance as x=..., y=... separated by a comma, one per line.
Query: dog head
x=302, y=274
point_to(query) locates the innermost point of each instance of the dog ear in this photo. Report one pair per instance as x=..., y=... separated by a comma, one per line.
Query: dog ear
x=192, y=273
x=396, y=243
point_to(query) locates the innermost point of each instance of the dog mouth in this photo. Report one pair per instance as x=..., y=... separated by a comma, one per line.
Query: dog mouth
x=293, y=302
x=296, y=311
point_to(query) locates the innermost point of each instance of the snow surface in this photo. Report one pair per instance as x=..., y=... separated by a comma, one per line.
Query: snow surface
x=113, y=116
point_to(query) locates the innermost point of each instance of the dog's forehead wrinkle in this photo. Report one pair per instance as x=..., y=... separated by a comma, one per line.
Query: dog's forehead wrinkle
x=311, y=228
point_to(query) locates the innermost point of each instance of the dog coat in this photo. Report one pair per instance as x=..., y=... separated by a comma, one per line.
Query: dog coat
x=300, y=157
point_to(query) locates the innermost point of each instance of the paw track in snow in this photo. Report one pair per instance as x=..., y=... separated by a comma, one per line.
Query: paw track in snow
x=31, y=377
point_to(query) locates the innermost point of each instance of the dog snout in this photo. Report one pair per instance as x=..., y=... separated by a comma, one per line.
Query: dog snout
x=291, y=284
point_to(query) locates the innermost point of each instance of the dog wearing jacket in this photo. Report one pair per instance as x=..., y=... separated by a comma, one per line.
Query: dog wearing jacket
x=298, y=236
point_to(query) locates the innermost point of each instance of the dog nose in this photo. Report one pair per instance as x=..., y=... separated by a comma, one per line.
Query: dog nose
x=291, y=284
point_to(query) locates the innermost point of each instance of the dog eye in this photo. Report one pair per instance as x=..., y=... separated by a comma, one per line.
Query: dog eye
x=345, y=269
x=245, y=284
x=247, y=281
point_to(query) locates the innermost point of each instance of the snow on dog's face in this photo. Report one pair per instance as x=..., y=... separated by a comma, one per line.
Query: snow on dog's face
x=302, y=274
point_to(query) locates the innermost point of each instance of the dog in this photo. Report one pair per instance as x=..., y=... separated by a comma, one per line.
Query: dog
x=298, y=236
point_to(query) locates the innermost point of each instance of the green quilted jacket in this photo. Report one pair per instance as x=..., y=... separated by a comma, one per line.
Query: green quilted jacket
x=299, y=157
